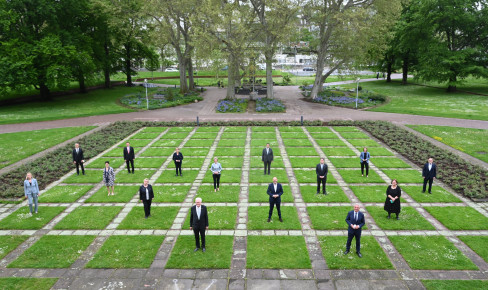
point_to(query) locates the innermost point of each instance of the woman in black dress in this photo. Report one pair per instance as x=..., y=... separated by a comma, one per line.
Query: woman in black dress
x=178, y=159
x=392, y=202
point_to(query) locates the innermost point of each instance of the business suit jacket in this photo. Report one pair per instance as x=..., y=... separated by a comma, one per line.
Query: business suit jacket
x=129, y=155
x=271, y=192
x=78, y=156
x=142, y=192
x=267, y=157
x=31, y=189
x=195, y=223
x=362, y=156
x=350, y=220
x=429, y=174
x=177, y=157
x=321, y=172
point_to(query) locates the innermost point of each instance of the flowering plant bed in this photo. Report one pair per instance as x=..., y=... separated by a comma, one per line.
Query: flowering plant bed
x=265, y=105
x=232, y=106
x=347, y=98
x=161, y=98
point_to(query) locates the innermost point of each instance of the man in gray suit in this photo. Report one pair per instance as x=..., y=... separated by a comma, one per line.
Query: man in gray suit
x=267, y=158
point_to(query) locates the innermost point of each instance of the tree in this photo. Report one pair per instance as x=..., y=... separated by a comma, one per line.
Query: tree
x=152, y=62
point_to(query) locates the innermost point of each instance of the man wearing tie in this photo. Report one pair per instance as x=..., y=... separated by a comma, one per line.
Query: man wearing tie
x=355, y=221
x=275, y=190
x=267, y=158
x=321, y=171
x=129, y=156
x=199, y=222
x=429, y=173
x=78, y=159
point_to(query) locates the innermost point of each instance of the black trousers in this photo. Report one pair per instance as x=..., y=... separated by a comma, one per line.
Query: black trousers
x=350, y=236
x=430, y=180
x=178, y=167
x=147, y=207
x=365, y=164
x=267, y=164
x=216, y=179
x=131, y=162
x=199, y=232
x=321, y=181
x=271, y=206
x=78, y=164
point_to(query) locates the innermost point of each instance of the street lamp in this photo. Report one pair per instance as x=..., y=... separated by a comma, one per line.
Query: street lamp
x=357, y=91
x=147, y=100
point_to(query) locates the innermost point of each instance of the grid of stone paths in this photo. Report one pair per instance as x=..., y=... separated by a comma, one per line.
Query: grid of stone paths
x=297, y=151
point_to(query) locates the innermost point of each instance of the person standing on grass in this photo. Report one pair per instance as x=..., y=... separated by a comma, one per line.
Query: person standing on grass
x=365, y=156
x=78, y=159
x=321, y=171
x=31, y=191
x=109, y=177
x=392, y=202
x=129, y=156
x=429, y=173
x=199, y=222
x=178, y=159
x=275, y=190
x=146, y=195
x=267, y=158
x=216, y=169
x=355, y=222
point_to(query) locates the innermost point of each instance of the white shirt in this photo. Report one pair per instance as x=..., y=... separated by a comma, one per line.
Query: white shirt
x=430, y=166
x=128, y=149
x=77, y=150
x=276, y=187
x=267, y=150
x=147, y=194
x=321, y=166
x=199, y=210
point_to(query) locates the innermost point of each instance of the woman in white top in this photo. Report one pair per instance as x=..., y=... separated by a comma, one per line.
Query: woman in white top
x=216, y=169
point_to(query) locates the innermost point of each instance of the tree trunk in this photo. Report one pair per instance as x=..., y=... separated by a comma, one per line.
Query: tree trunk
x=317, y=85
x=269, y=75
x=405, y=70
x=44, y=92
x=182, y=68
x=231, y=93
x=191, y=81
x=128, y=63
x=388, y=71
x=452, y=88
x=81, y=81
x=106, y=66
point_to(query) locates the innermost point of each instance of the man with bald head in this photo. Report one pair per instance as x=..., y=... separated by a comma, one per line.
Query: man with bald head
x=78, y=159
x=275, y=190
x=199, y=222
x=355, y=222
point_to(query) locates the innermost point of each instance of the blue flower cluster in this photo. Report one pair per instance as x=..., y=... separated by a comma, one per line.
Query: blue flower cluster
x=230, y=106
x=269, y=105
x=139, y=101
x=337, y=100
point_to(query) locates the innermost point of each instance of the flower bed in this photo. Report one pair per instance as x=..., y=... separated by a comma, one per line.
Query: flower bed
x=265, y=105
x=161, y=98
x=337, y=96
x=232, y=106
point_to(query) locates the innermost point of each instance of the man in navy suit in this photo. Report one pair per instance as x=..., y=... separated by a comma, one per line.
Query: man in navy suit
x=199, y=222
x=429, y=173
x=129, y=156
x=78, y=159
x=267, y=158
x=275, y=190
x=355, y=220
x=321, y=170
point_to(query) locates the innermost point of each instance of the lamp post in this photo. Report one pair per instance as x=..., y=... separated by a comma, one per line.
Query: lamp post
x=147, y=100
x=357, y=91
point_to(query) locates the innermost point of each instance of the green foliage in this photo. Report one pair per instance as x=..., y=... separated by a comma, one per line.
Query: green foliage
x=14, y=283
x=267, y=253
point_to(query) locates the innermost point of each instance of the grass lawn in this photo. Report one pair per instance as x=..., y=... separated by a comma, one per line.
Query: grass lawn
x=172, y=129
x=439, y=194
x=137, y=177
x=354, y=135
x=126, y=252
x=345, y=162
x=228, y=193
x=197, y=143
x=258, y=151
x=170, y=193
x=235, y=162
x=219, y=218
x=174, y=135
x=91, y=176
x=294, y=135
x=376, y=151
x=256, y=162
x=363, y=143
x=300, y=151
x=258, y=216
x=239, y=143
x=345, y=129
x=9, y=243
x=334, y=194
x=290, y=129
x=208, y=129
x=218, y=253
x=22, y=220
x=99, y=163
x=404, y=176
x=236, y=129
x=258, y=193
x=149, y=162
x=477, y=244
x=354, y=176
x=234, y=135
x=68, y=193
x=471, y=141
x=161, y=218
x=122, y=194
x=223, y=152
x=338, y=151
x=154, y=152
x=297, y=143
x=165, y=143
x=389, y=163
x=309, y=176
x=304, y=162
x=325, y=135
x=226, y=176
x=455, y=284
x=257, y=176
x=375, y=193
x=15, y=283
x=459, y=218
x=318, y=129
x=329, y=217
x=373, y=255
x=169, y=176
x=258, y=141
x=20, y=145
x=206, y=135
x=146, y=135
x=88, y=218
x=193, y=162
x=159, y=129
x=431, y=253
x=410, y=219
x=135, y=143
x=330, y=142
x=268, y=253
x=53, y=252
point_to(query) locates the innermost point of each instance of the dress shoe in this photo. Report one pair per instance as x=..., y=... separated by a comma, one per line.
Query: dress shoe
x=176, y=175
x=346, y=252
x=203, y=250
x=281, y=220
x=324, y=193
x=196, y=249
x=388, y=217
x=181, y=174
x=359, y=255
x=145, y=217
x=398, y=218
x=430, y=192
x=318, y=192
x=269, y=220
x=83, y=173
x=423, y=191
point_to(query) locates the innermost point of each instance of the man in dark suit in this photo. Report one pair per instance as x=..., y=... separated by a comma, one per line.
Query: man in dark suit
x=321, y=171
x=267, y=158
x=129, y=156
x=355, y=221
x=78, y=159
x=429, y=173
x=275, y=190
x=199, y=222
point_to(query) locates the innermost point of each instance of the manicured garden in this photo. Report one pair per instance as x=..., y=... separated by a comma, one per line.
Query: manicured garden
x=159, y=98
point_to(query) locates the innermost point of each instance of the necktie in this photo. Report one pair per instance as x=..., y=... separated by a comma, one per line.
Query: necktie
x=356, y=216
